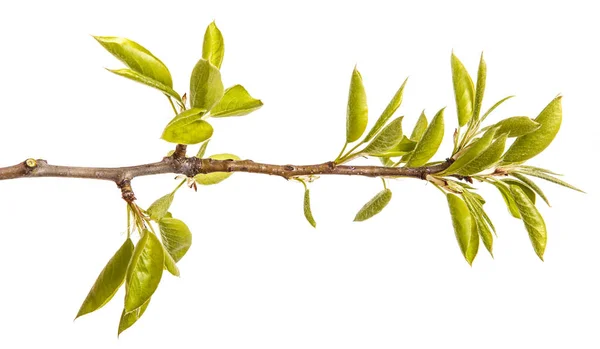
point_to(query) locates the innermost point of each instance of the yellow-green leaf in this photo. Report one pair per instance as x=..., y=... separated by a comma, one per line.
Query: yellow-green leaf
x=213, y=48
x=430, y=142
x=486, y=159
x=202, y=149
x=307, y=211
x=137, y=58
x=160, y=207
x=480, y=89
x=188, y=128
x=464, y=91
x=144, y=272
x=135, y=76
x=215, y=177
x=374, y=206
x=357, y=113
x=534, y=223
x=206, y=87
x=131, y=317
x=420, y=127
x=109, y=281
x=531, y=144
x=504, y=190
x=176, y=237
x=464, y=227
x=388, y=112
x=516, y=126
x=235, y=102
x=170, y=264
x=387, y=139
x=472, y=152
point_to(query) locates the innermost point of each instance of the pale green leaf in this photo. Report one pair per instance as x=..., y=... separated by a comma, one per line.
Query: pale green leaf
x=176, y=237
x=109, y=281
x=464, y=227
x=550, y=178
x=170, y=263
x=430, y=142
x=235, y=102
x=471, y=152
x=135, y=76
x=420, y=128
x=144, y=272
x=215, y=177
x=213, y=48
x=357, y=112
x=388, y=112
x=534, y=223
x=202, y=149
x=516, y=126
x=387, y=139
x=131, y=317
x=487, y=113
x=464, y=91
x=307, y=211
x=486, y=159
x=529, y=145
x=206, y=87
x=188, y=128
x=480, y=88
x=504, y=190
x=405, y=146
x=533, y=188
x=374, y=206
x=159, y=208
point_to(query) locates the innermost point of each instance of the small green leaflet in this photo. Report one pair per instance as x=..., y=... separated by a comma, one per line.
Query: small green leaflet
x=486, y=159
x=357, y=115
x=135, y=76
x=131, y=317
x=524, y=186
x=213, y=48
x=144, y=272
x=516, y=126
x=176, y=237
x=531, y=185
x=137, y=58
x=404, y=147
x=160, y=207
x=387, y=139
x=464, y=91
x=464, y=227
x=480, y=89
x=109, y=281
x=529, y=145
x=388, y=112
x=202, y=150
x=480, y=219
x=487, y=113
x=235, y=102
x=188, y=128
x=307, y=211
x=504, y=190
x=206, y=87
x=170, y=263
x=534, y=223
x=429, y=143
x=420, y=128
x=215, y=177
x=471, y=152
x=374, y=206
x=548, y=177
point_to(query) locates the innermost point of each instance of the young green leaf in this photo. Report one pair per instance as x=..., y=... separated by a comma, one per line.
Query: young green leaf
x=109, y=281
x=529, y=145
x=188, y=128
x=202, y=150
x=206, y=87
x=420, y=128
x=525, y=187
x=159, y=208
x=464, y=91
x=170, y=264
x=531, y=185
x=144, y=272
x=307, y=211
x=546, y=176
x=176, y=237
x=213, y=48
x=128, y=318
x=236, y=101
x=534, y=223
x=388, y=112
x=480, y=220
x=486, y=159
x=472, y=152
x=516, y=126
x=357, y=113
x=464, y=227
x=387, y=139
x=480, y=89
x=215, y=177
x=374, y=206
x=429, y=143
x=137, y=58
x=487, y=113
x=135, y=76
x=504, y=190
x=405, y=147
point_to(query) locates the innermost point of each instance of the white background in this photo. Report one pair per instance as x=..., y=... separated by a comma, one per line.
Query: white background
x=257, y=275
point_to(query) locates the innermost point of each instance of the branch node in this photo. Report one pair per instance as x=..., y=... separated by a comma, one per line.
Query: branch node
x=126, y=191
x=180, y=151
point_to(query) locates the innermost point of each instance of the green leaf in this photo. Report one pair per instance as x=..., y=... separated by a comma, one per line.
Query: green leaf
x=532, y=187
x=464, y=227
x=374, y=206
x=358, y=113
x=534, y=223
x=135, y=76
x=526, y=189
x=529, y=145
x=486, y=159
x=430, y=142
x=109, y=281
x=215, y=177
x=170, y=263
x=487, y=113
x=464, y=92
x=137, y=58
x=405, y=147
x=202, y=149
x=420, y=128
x=144, y=272
x=307, y=211
x=387, y=139
x=388, y=112
x=479, y=219
x=176, y=237
x=160, y=207
x=472, y=152
x=546, y=176
x=213, y=48
x=131, y=317
x=480, y=89
x=504, y=190
x=235, y=102
x=516, y=126
x=206, y=87
x=188, y=128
